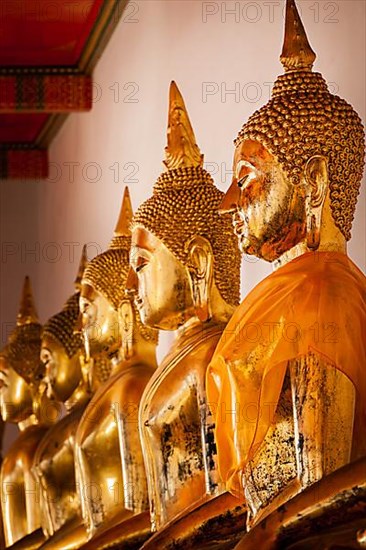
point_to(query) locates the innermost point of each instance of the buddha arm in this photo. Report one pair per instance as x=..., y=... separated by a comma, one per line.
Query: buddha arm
x=310, y=435
x=54, y=468
x=98, y=460
x=323, y=407
x=32, y=500
x=20, y=496
x=133, y=383
x=13, y=498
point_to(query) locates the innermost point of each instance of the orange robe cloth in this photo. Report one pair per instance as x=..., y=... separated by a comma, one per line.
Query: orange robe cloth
x=315, y=303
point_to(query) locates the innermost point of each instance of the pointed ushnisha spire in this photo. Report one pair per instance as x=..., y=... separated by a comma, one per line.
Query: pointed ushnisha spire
x=125, y=216
x=27, y=310
x=122, y=232
x=82, y=266
x=297, y=53
x=182, y=149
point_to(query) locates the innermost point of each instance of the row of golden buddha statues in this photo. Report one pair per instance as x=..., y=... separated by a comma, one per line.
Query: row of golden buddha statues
x=251, y=432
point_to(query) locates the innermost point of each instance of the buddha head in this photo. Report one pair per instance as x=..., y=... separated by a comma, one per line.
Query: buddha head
x=20, y=369
x=61, y=350
x=109, y=319
x=298, y=161
x=185, y=262
x=62, y=346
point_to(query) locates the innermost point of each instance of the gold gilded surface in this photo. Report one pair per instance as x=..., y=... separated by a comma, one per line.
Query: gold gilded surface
x=297, y=53
x=29, y=542
x=298, y=165
x=109, y=463
x=215, y=524
x=328, y=514
x=182, y=149
x=53, y=465
x=185, y=277
x=184, y=206
x=20, y=373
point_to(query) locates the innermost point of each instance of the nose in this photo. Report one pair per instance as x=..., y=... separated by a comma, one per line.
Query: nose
x=131, y=283
x=231, y=199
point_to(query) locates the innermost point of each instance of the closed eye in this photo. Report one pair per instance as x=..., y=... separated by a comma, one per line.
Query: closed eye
x=141, y=266
x=243, y=181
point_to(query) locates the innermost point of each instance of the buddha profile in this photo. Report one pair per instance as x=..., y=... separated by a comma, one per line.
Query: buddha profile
x=185, y=277
x=108, y=449
x=61, y=352
x=291, y=366
x=20, y=376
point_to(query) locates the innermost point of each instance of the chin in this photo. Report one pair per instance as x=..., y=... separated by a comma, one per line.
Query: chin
x=251, y=246
x=150, y=319
x=100, y=348
x=52, y=394
x=154, y=319
x=265, y=249
x=268, y=254
x=9, y=415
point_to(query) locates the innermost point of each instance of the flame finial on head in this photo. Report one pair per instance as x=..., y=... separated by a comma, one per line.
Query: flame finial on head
x=297, y=53
x=122, y=234
x=107, y=272
x=125, y=216
x=27, y=310
x=82, y=266
x=182, y=149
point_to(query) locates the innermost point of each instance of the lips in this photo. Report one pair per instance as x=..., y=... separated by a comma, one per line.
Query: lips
x=238, y=224
x=238, y=228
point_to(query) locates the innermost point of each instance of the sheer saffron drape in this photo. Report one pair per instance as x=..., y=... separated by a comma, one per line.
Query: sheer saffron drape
x=316, y=303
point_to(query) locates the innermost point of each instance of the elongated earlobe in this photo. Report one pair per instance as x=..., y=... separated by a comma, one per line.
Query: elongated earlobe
x=126, y=317
x=316, y=177
x=200, y=266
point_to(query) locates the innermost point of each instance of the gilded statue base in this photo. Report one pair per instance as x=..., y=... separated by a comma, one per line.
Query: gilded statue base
x=217, y=524
x=127, y=535
x=328, y=515
x=71, y=536
x=33, y=541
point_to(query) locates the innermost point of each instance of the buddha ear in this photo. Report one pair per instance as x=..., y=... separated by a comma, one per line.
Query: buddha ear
x=126, y=318
x=316, y=177
x=200, y=267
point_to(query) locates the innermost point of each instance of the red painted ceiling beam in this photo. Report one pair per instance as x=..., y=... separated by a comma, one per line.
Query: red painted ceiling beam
x=51, y=92
x=23, y=164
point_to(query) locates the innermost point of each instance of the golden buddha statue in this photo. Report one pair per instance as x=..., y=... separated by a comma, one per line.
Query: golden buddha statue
x=53, y=465
x=185, y=275
x=291, y=366
x=20, y=374
x=108, y=451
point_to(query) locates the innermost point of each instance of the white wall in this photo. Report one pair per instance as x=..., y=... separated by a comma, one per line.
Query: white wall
x=158, y=41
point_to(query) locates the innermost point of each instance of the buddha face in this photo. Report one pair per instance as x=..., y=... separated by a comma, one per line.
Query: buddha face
x=268, y=210
x=160, y=283
x=63, y=373
x=99, y=321
x=15, y=394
